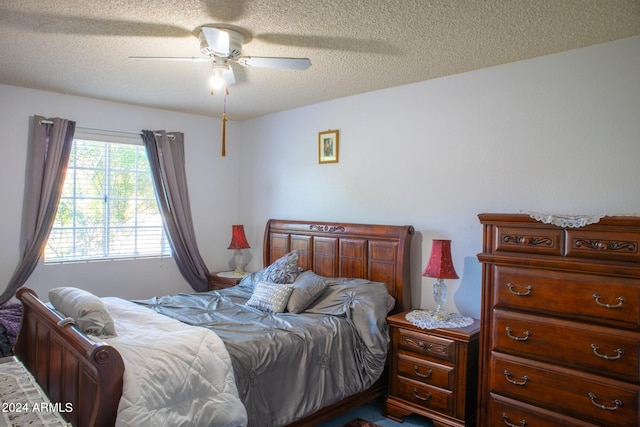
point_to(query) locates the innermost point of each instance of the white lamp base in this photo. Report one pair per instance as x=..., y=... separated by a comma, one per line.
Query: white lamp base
x=238, y=258
x=440, y=297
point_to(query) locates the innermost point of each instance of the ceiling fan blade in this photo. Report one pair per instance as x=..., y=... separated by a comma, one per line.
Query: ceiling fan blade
x=282, y=63
x=218, y=40
x=171, y=58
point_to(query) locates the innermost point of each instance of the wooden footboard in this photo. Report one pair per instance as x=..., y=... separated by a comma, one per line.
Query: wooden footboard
x=69, y=367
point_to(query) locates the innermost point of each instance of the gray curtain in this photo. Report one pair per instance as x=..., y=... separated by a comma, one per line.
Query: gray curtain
x=166, y=158
x=49, y=150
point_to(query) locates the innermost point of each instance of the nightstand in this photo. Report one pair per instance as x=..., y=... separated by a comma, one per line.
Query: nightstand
x=223, y=279
x=433, y=373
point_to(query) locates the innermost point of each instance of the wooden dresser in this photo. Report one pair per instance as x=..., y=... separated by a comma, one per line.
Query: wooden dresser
x=560, y=333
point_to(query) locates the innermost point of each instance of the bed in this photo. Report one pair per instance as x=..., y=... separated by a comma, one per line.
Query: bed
x=72, y=368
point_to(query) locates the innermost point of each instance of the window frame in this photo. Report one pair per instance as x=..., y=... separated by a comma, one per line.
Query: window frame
x=108, y=228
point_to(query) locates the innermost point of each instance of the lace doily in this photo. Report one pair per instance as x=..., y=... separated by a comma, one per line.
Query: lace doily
x=571, y=221
x=231, y=274
x=564, y=221
x=424, y=319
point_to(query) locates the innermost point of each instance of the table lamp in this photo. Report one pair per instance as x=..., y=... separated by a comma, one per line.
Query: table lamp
x=238, y=242
x=440, y=267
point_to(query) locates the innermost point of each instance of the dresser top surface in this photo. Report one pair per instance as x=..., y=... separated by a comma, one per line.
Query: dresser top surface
x=514, y=218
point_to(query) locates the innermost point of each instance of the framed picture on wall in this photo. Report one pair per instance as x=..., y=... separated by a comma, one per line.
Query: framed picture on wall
x=328, y=145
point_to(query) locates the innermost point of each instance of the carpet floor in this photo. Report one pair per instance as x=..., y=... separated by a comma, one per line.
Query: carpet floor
x=372, y=412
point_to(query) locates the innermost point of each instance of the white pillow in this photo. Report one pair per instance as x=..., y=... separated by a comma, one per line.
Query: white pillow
x=270, y=297
x=87, y=310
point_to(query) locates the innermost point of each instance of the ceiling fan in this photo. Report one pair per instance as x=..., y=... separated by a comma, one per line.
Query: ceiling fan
x=223, y=46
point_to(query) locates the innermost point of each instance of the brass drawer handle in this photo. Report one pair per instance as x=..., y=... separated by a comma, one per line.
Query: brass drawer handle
x=527, y=240
x=518, y=240
x=513, y=337
x=505, y=420
x=417, y=396
x=619, y=352
x=518, y=293
x=616, y=403
x=606, y=245
x=620, y=300
x=419, y=344
x=417, y=372
x=507, y=375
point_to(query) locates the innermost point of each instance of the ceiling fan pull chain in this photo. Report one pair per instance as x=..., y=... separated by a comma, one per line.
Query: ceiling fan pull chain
x=224, y=123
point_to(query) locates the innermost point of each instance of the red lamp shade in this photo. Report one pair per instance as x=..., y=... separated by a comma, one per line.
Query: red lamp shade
x=440, y=265
x=238, y=239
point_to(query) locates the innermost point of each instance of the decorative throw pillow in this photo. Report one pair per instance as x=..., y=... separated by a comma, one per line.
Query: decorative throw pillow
x=270, y=297
x=88, y=311
x=283, y=270
x=307, y=287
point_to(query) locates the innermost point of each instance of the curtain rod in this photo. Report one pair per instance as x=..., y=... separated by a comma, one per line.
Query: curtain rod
x=49, y=122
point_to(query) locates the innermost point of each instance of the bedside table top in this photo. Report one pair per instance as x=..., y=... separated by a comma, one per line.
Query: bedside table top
x=223, y=279
x=464, y=333
x=230, y=274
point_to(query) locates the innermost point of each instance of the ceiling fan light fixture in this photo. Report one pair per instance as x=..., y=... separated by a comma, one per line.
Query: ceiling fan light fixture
x=218, y=78
x=217, y=81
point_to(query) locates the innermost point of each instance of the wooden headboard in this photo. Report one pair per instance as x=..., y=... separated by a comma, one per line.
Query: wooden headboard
x=379, y=253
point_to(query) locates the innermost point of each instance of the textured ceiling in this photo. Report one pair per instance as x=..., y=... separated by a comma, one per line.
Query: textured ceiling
x=82, y=47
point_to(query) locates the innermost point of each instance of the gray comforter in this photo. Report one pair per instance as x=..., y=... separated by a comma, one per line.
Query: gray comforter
x=287, y=365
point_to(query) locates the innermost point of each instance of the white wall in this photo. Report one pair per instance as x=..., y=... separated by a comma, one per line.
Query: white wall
x=213, y=189
x=553, y=134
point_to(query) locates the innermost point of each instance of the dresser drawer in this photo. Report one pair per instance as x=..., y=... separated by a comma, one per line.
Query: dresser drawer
x=574, y=393
x=426, y=345
x=604, y=351
x=511, y=413
x=533, y=240
x=603, y=245
x=426, y=372
x=591, y=297
x=425, y=396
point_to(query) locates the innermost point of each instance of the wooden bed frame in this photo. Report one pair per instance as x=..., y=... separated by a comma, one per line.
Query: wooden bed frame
x=73, y=369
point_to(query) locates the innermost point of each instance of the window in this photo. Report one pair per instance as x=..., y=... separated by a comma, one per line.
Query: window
x=108, y=208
